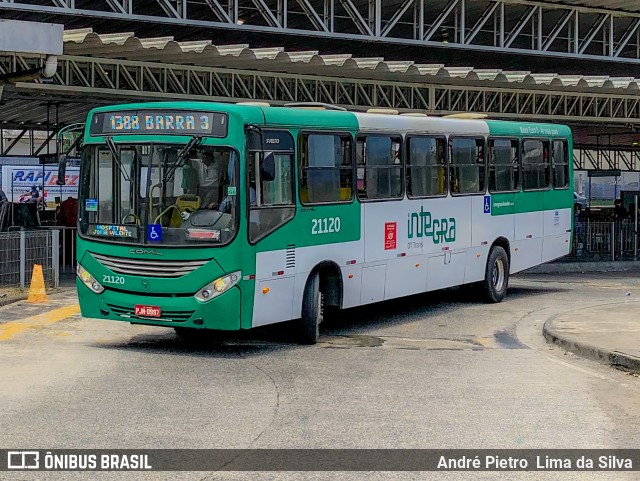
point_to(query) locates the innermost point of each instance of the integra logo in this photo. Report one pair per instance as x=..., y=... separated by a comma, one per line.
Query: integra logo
x=421, y=224
x=146, y=252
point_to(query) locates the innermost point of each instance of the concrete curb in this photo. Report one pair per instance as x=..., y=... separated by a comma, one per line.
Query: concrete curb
x=11, y=300
x=23, y=297
x=568, y=267
x=589, y=351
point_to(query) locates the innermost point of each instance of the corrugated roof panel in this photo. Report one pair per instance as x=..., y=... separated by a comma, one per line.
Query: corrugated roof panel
x=275, y=59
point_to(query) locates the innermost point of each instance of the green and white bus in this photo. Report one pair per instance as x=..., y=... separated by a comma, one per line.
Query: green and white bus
x=221, y=216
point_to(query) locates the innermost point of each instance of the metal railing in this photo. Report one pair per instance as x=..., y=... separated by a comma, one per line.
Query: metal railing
x=67, y=248
x=55, y=249
x=21, y=250
x=607, y=241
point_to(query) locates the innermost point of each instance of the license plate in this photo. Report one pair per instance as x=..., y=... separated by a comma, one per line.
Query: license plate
x=147, y=311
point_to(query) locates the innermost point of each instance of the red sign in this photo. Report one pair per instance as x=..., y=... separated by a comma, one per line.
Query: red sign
x=147, y=311
x=390, y=229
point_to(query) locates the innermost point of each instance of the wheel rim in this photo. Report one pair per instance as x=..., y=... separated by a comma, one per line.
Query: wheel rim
x=497, y=275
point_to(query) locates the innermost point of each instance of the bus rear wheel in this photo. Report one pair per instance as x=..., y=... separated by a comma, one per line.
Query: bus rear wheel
x=312, y=311
x=496, y=278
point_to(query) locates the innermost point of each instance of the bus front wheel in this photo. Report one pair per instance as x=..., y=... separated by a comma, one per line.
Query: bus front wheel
x=312, y=310
x=496, y=278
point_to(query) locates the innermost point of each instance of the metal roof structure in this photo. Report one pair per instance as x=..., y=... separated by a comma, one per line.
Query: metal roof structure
x=120, y=67
x=558, y=29
x=166, y=50
x=112, y=67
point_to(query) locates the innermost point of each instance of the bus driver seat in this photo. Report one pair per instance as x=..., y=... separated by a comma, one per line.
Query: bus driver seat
x=185, y=203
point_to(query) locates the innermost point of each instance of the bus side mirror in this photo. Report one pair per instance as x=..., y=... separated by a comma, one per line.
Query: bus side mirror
x=268, y=167
x=62, y=170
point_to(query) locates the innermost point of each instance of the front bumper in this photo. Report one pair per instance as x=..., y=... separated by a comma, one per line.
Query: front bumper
x=222, y=312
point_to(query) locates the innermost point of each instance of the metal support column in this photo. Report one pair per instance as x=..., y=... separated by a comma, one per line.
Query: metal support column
x=55, y=256
x=635, y=229
x=44, y=204
x=23, y=255
x=613, y=241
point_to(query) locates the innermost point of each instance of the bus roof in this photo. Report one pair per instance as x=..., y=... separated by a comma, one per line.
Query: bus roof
x=302, y=118
x=427, y=124
x=256, y=114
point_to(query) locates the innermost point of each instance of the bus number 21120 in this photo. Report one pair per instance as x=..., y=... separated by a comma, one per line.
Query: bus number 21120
x=327, y=225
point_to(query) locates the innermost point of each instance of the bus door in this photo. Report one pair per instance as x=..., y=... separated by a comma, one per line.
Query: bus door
x=270, y=176
x=529, y=222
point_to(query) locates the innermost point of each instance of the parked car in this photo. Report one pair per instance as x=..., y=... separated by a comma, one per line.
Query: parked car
x=580, y=200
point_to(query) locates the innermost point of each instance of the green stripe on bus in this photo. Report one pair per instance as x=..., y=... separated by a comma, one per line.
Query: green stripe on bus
x=527, y=129
x=317, y=225
x=522, y=202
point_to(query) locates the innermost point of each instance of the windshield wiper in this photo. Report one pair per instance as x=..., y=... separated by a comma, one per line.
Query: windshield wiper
x=182, y=157
x=116, y=156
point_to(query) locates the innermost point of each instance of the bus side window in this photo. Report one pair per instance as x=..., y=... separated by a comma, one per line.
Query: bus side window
x=535, y=164
x=379, y=167
x=560, y=164
x=503, y=165
x=467, y=171
x=426, y=167
x=326, y=168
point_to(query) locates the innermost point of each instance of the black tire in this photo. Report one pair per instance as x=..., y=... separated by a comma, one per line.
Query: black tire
x=496, y=277
x=312, y=310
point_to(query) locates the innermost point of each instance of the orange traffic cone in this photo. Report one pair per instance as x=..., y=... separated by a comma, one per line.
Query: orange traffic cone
x=37, y=292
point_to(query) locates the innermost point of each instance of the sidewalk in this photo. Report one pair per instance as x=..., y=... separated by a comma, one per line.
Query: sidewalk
x=10, y=295
x=609, y=333
x=20, y=308
x=595, y=266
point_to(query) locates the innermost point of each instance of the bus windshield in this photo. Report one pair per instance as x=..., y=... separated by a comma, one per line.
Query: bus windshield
x=166, y=194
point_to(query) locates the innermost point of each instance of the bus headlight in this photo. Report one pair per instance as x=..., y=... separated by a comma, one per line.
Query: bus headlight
x=88, y=280
x=217, y=287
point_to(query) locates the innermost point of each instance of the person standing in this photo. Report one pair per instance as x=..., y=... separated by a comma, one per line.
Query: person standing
x=208, y=181
x=619, y=212
x=4, y=208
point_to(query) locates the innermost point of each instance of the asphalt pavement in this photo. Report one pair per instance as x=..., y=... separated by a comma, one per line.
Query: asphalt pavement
x=433, y=371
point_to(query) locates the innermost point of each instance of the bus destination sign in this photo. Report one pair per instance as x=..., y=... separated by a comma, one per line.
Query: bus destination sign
x=166, y=122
